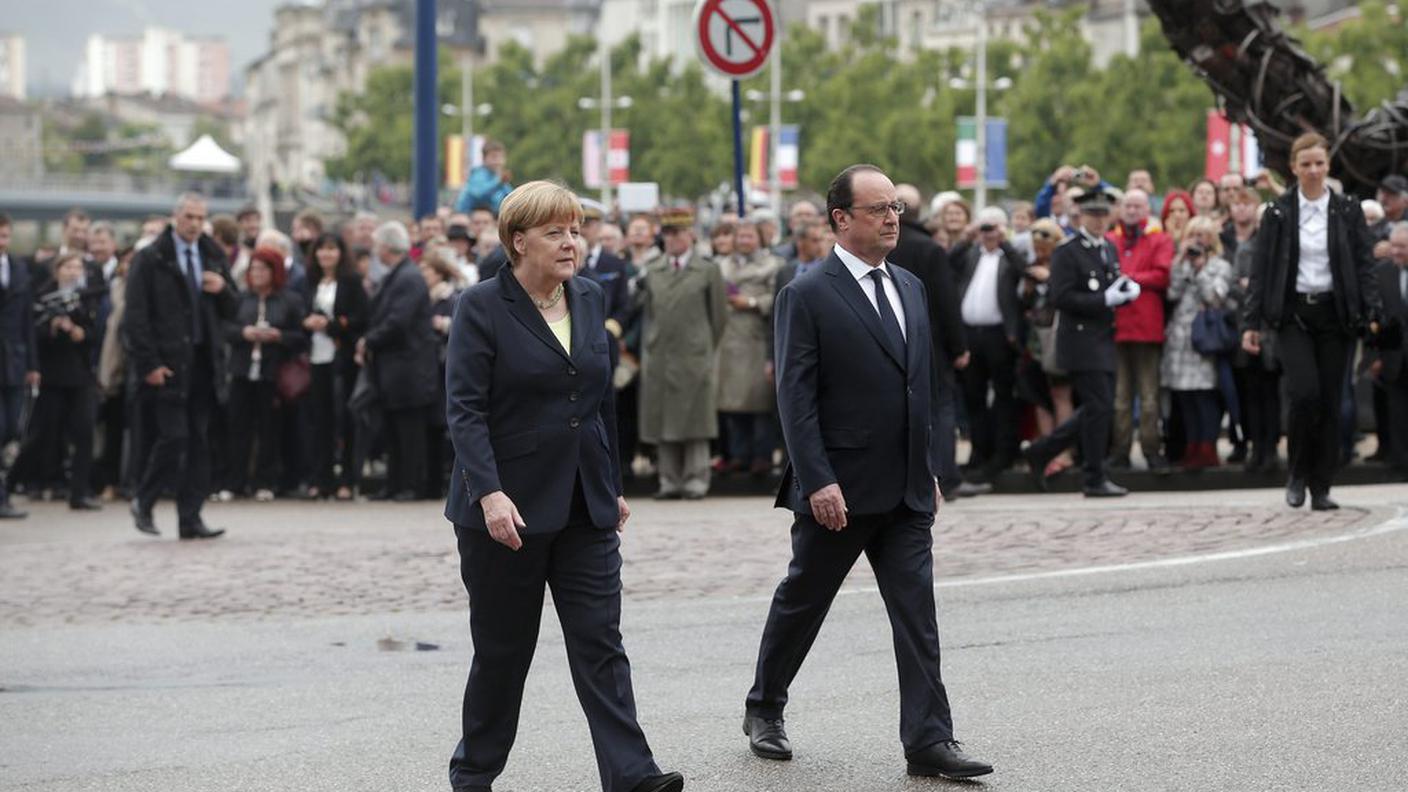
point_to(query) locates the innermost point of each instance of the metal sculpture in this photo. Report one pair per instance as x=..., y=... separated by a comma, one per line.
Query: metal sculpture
x=1262, y=77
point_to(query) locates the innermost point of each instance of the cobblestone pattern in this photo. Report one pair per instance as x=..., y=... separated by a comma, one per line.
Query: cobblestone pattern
x=308, y=560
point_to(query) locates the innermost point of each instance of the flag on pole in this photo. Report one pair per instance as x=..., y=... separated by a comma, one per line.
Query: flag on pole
x=965, y=155
x=618, y=157
x=758, y=158
x=1231, y=148
x=788, y=155
x=454, y=161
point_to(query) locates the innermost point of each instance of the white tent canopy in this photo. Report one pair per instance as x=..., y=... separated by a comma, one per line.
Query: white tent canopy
x=206, y=156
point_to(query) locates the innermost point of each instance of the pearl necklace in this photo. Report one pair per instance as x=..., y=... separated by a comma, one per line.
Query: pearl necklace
x=551, y=301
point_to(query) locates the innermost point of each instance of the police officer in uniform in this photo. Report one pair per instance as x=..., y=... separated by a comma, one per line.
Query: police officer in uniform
x=1086, y=287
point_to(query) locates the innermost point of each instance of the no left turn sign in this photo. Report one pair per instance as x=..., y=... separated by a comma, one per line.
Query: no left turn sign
x=734, y=37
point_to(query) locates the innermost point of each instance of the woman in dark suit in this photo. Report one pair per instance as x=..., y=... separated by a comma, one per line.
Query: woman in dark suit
x=535, y=496
x=334, y=323
x=1312, y=280
x=267, y=330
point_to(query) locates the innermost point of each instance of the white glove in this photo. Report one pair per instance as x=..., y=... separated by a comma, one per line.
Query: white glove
x=1131, y=289
x=1115, y=296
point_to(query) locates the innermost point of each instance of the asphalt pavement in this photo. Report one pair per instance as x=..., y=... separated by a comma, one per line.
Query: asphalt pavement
x=1257, y=657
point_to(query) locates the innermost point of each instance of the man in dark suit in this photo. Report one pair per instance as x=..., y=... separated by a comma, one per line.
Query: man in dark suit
x=1390, y=366
x=918, y=253
x=179, y=292
x=856, y=395
x=1086, y=288
x=400, y=346
x=19, y=362
x=609, y=272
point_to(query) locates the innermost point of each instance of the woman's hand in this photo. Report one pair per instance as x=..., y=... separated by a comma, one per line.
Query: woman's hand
x=739, y=302
x=625, y=512
x=250, y=333
x=315, y=323
x=1251, y=342
x=502, y=519
x=1039, y=273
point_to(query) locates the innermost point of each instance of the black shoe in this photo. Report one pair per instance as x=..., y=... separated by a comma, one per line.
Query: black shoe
x=667, y=496
x=85, y=504
x=405, y=496
x=143, y=519
x=694, y=496
x=8, y=512
x=946, y=759
x=1105, y=489
x=383, y=495
x=1295, y=493
x=665, y=782
x=199, y=530
x=1322, y=503
x=1119, y=462
x=1159, y=466
x=972, y=489
x=1036, y=465
x=474, y=788
x=767, y=738
x=1239, y=453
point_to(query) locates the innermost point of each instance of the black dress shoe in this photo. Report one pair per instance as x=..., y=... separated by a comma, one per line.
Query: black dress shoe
x=85, y=504
x=1036, y=465
x=664, y=496
x=474, y=788
x=1322, y=503
x=1295, y=493
x=767, y=738
x=405, y=496
x=200, y=530
x=1105, y=489
x=8, y=512
x=143, y=519
x=665, y=782
x=946, y=759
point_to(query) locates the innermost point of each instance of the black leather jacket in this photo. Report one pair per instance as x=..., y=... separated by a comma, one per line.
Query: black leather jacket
x=1277, y=256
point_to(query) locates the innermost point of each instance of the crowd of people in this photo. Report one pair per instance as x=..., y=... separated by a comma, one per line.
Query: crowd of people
x=312, y=361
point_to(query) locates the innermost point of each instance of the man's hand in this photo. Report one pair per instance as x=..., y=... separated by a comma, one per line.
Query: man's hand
x=157, y=377
x=502, y=519
x=211, y=282
x=829, y=507
x=1063, y=174
x=625, y=513
x=76, y=334
x=938, y=496
x=31, y=378
x=315, y=323
x=739, y=302
x=1251, y=342
x=250, y=333
x=770, y=373
x=359, y=355
x=961, y=362
x=1376, y=369
x=1382, y=250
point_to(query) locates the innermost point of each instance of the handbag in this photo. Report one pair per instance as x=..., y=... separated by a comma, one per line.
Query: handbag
x=293, y=378
x=1214, y=332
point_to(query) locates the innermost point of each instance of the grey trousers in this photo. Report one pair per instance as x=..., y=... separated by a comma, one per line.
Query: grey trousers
x=683, y=467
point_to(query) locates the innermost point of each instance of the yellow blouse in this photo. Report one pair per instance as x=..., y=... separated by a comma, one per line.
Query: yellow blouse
x=562, y=329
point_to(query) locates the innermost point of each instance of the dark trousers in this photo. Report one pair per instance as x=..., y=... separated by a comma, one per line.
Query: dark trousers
x=405, y=440
x=176, y=453
x=949, y=475
x=1202, y=414
x=899, y=546
x=112, y=420
x=1314, y=354
x=331, y=439
x=992, y=427
x=1260, y=391
x=1089, y=424
x=63, y=415
x=253, y=434
x=11, y=408
x=582, y=565
x=750, y=437
x=628, y=424
x=1395, y=430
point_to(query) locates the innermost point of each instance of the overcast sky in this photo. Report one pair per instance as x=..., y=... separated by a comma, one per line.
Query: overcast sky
x=55, y=30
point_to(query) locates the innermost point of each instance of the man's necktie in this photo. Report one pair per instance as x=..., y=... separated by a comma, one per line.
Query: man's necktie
x=194, y=283
x=887, y=313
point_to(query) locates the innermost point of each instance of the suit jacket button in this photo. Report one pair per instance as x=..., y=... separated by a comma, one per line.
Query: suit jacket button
x=572, y=371
x=574, y=423
x=573, y=396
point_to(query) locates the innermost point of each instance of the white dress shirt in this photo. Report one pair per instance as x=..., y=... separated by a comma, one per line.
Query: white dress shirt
x=861, y=272
x=4, y=270
x=324, y=349
x=980, y=308
x=1313, y=275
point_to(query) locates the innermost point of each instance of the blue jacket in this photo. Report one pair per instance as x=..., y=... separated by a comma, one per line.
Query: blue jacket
x=18, y=354
x=483, y=190
x=855, y=410
x=526, y=416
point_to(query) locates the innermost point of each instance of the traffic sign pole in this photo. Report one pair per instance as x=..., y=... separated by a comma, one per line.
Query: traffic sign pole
x=738, y=152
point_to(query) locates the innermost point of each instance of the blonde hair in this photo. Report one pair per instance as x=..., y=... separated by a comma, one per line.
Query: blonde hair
x=1203, y=224
x=532, y=205
x=1306, y=141
x=440, y=259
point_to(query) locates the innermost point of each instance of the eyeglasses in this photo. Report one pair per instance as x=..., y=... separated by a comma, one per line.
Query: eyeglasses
x=878, y=211
x=1042, y=233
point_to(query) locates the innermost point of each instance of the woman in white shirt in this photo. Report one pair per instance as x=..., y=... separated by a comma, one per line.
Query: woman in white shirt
x=335, y=322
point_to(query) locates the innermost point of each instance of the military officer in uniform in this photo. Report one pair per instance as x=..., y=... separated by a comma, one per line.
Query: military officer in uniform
x=1086, y=287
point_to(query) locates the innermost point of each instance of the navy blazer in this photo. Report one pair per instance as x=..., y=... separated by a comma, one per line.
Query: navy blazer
x=854, y=410
x=18, y=353
x=610, y=274
x=525, y=416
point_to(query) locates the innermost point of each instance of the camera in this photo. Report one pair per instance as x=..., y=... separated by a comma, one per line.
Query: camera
x=985, y=227
x=1196, y=252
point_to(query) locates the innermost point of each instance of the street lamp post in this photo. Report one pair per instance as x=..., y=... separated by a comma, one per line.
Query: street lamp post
x=980, y=192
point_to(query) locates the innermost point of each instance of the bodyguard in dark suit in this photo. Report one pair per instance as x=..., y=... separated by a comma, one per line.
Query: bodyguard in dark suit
x=19, y=361
x=401, y=348
x=1390, y=366
x=536, y=493
x=856, y=396
x=179, y=293
x=609, y=272
x=1086, y=287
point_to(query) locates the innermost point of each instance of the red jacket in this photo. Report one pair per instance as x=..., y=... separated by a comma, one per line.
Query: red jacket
x=1146, y=257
